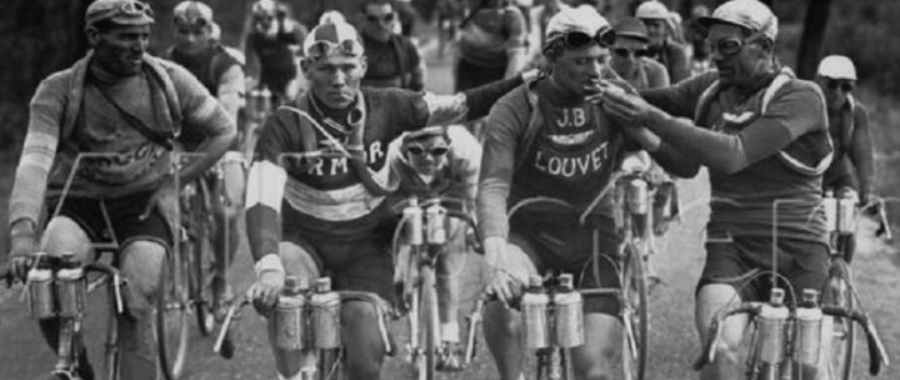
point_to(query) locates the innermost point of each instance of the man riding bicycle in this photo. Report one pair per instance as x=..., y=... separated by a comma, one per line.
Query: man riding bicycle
x=271, y=47
x=547, y=139
x=316, y=190
x=102, y=105
x=393, y=60
x=223, y=76
x=763, y=135
x=442, y=162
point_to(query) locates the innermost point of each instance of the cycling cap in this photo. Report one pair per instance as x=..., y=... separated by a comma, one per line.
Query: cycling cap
x=837, y=67
x=652, y=10
x=331, y=39
x=749, y=14
x=193, y=13
x=426, y=132
x=584, y=19
x=632, y=28
x=332, y=17
x=264, y=8
x=122, y=12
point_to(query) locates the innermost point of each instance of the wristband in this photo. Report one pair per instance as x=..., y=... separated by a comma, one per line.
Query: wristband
x=268, y=263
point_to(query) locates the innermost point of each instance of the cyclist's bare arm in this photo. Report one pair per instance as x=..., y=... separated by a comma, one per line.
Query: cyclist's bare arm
x=470, y=104
x=862, y=151
x=669, y=158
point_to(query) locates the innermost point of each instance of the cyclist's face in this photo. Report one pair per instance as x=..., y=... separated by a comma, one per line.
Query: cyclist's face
x=192, y=38
x=579, y=70
x=335, y=79
x=836, y=91
x=656, y=30
x=626, y=55
x=740, y=66
x=380, y=21
x=120, y=50
x=427, y=155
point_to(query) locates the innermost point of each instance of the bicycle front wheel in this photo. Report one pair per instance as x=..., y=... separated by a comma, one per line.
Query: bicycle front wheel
x=331, y=364
x=634, y=314
x=172, y=317
x=839, y=293
x=426, y=362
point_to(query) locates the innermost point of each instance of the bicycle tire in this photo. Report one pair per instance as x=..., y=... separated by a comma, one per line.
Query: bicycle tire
x=428, y=317
x=111, y=350
x=172, y=317
x=635, y=318
x=330, y=364
x=843, y=332
x=199, y=255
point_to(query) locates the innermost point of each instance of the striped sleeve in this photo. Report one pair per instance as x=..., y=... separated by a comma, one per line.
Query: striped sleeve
x=39, y=150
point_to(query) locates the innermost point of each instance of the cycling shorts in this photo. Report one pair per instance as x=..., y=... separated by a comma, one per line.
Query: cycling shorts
x=124, y=225
x=554, y=244
x=803, y=263
x=361, y=265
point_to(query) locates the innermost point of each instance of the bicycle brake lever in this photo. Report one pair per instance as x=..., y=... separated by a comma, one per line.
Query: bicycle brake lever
x=709, y=347
x=878, y=357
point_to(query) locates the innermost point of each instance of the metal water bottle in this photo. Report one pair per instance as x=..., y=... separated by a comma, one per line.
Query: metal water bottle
x=534, y=311
x=773, y=319
x=435, y=224
x=71, y=288
x=41, y=296
x=569, y=315
x=414, y=222
x=326, y=315
x=830, y=203
x=846, y=215
x=809, y=331
x=638, y=197
x=290, y=318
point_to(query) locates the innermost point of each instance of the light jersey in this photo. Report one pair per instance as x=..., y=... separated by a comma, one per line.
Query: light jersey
x=326, y=197
x=573, y=154
x=742, y=201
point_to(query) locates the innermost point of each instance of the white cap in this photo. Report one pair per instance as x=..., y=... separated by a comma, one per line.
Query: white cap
x=837, y=67
x=332, y=17
x=652, y=10
x=583, y=19
x=750, y=14
x=193, y=12
x=339, y=34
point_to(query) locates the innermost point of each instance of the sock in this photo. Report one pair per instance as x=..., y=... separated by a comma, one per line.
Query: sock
x=450, y=332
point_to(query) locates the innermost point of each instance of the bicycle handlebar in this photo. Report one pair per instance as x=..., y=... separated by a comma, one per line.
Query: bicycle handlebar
x=878, y=357
x=715, y=329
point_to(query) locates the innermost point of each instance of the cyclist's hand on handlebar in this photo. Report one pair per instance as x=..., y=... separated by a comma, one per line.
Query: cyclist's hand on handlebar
x=22, y=246
x=504, y=286
x=264, y=292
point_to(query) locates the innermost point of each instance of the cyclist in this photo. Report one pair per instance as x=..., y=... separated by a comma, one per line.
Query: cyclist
x=101, y=105
x=434, y=162
x=393, y=61
x=763, y=136
x=321, y=207
x=545, y=139
x=663, y=48
x=491, y=44
x=848, y=121
x=271, y=48
x=223, y=76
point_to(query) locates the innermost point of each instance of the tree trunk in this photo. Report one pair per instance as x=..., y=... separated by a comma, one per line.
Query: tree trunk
x=813, y=37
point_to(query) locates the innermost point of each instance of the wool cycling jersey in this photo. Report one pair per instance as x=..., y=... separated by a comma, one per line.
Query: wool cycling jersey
x=303, y=160
x=782, y=145
x=849, y=129
x=391, y=63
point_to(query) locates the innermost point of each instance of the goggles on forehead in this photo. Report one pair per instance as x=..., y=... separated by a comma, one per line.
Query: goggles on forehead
x=323, y=48
x=136, y=8
x=605, y=37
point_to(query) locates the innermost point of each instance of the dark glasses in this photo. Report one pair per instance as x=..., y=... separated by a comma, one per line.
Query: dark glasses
x=844, y=85
x=625, y=53
x=327, y=48
x=375, y=19
x=605, y=37
x=437, y=151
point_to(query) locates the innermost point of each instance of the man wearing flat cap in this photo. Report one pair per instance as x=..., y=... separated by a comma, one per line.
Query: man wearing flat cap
x=763, y=136
x=124, y=108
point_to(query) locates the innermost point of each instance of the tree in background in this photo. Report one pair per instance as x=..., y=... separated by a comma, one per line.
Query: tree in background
x=813, y=38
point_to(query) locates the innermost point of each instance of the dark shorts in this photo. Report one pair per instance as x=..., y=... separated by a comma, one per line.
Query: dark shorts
x=555, y=245
x=361, y=265
x=803, y=263
x=124, y=225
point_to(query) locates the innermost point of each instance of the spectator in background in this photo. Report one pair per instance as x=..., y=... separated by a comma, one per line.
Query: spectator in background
x=408, y=16
x=393, y=60
x=491, y=45
x=629, y=57
x=662, y=48
x=271, y=48
x=695, y=36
